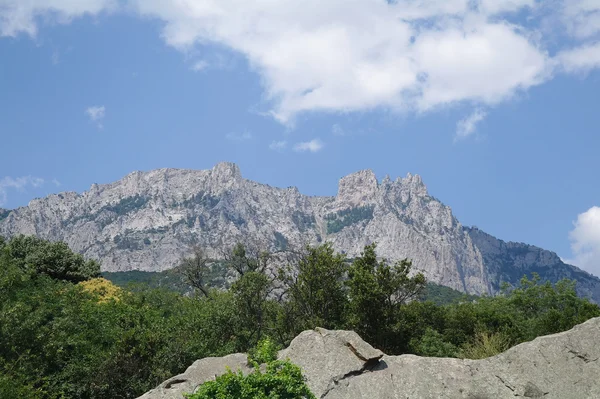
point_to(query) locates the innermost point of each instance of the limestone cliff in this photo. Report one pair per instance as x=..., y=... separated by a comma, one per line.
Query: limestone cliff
x=148, y=220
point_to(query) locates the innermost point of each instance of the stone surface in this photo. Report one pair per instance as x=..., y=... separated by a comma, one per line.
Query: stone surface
x=148, y=220
x=339, y=365
x=327, y=357
x=201, y=371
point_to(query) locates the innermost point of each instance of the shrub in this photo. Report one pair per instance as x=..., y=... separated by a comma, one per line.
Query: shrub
x=281, y=380
x=485, y=345
x=432, y=344
x=264, y=352
x=103, y=289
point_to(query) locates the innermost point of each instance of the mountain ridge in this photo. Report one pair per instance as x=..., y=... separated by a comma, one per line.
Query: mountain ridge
x=148, y=220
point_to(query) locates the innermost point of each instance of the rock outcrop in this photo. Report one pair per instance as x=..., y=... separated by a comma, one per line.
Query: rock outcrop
x=199, y=372
x=148, y=220
x=339, y=365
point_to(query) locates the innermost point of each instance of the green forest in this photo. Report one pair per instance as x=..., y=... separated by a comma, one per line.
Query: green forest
x=67, y=332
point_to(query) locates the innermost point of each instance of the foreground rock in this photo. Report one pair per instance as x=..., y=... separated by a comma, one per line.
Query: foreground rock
x=198, y=373
x=340, y=365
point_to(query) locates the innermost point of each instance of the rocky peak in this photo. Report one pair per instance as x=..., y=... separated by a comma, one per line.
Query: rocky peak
x=225, y=175
x=358, y=188
x=414, y=184
x=156, y=214
x=227, y=169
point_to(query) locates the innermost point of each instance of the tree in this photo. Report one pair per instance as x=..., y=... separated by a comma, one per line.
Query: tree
x=244, y=260
x=315, y=289
x=255, y=311
x=55, y=259
x=196, y=270
x=550, y=309
x=376, y=290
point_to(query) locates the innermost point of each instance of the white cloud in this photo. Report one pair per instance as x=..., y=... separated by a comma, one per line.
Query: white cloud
x=337, y=130
x=200, y=66
x=19, y=183
x=96, y=114
x=493, y=7
x=581, y=59
x=468, y=125
x=56, y=182
x=239, y=136
x=357, y=55
x=582, y=17
x=585, y=241
x=21, y=16
x=362, y=54
x=314, y=145
x=278, y=145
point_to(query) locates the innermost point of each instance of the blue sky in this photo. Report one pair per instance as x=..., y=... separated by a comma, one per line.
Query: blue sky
x=494, y=102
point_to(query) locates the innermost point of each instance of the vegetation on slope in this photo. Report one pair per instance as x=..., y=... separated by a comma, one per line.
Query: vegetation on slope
x=347, y=217
x=64, y=333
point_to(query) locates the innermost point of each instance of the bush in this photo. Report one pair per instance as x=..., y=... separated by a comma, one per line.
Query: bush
x=102, y=288
x=281, y=380
x=432, y=344
x=264, y=352
x=486, y=345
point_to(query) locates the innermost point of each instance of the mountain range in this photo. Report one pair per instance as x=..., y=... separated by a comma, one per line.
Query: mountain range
x=149, y=220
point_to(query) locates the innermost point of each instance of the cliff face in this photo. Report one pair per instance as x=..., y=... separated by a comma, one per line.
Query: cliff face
x=510, y=261
x=148, y=220
x=339, y=364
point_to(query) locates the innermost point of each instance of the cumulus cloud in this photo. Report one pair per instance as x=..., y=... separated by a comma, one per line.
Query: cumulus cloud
x=363, y=54
x=18, y=183
x=581, y=59
x=337, y=130
x=357, y=55
x=278, y=145
x=585, y=241
x=200, y=66
x=582, y=17
x=96, y=114
x=21, y=16
x=468, y=125
x=314, y=145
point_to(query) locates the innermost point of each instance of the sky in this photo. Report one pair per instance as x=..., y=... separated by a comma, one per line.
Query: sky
x=495, y=103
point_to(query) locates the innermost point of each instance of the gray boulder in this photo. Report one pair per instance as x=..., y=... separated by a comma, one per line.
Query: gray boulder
x=198, y=373
x=340, y=365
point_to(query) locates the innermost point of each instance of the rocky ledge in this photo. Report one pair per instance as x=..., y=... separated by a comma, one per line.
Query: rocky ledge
x=340, y=365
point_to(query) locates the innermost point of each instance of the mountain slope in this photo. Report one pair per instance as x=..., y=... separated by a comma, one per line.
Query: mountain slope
x=148, y=220
x=509, y=261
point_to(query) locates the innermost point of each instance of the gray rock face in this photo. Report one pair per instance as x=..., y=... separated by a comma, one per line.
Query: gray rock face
x=509, y=261
x=198, y=373
x=339, y=365
x=148, y=220
x=329, y=357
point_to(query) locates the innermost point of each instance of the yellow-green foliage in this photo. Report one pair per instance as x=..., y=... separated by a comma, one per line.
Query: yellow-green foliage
x=103, y=289
x=485, y=345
